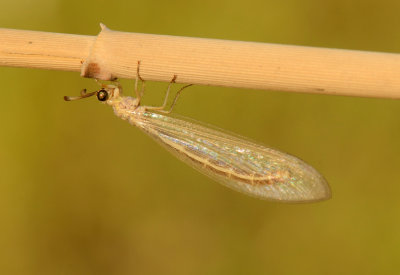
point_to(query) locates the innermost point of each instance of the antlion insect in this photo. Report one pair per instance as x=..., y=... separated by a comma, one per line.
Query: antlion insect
x=231, y=160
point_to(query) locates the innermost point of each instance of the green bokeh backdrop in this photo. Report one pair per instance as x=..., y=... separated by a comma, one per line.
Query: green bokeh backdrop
x=83, y=192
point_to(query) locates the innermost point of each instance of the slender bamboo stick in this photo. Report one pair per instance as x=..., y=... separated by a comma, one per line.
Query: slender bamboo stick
x=114, y=54
x=44, y=50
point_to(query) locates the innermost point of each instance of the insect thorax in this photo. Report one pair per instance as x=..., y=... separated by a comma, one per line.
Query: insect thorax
x=125, y=107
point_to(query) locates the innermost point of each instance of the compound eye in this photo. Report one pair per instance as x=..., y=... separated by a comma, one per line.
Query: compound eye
x=102, y=95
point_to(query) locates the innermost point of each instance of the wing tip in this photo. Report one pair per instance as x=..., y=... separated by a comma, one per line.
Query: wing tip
x=320, y=191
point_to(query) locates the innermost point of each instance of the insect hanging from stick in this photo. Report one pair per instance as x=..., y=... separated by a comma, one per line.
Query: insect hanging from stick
x=233, y=161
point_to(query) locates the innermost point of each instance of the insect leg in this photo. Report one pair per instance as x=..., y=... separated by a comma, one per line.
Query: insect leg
x=167, y=93
x=162, y=107
x=115, y=84
x=139, y=94
x=176, y=99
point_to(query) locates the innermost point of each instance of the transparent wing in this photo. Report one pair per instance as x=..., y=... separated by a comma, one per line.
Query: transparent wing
x=236, y=162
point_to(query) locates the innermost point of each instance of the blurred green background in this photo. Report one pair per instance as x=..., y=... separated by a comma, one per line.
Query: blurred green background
x=83, y=192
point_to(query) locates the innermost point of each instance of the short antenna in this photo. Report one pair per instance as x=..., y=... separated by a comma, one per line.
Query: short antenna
x=83, y=95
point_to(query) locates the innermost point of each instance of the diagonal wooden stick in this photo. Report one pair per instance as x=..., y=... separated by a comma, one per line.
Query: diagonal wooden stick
x=263, y=66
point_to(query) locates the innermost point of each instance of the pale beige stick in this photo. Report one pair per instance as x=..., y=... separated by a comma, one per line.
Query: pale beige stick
x=114, y=54
x=45, y=50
